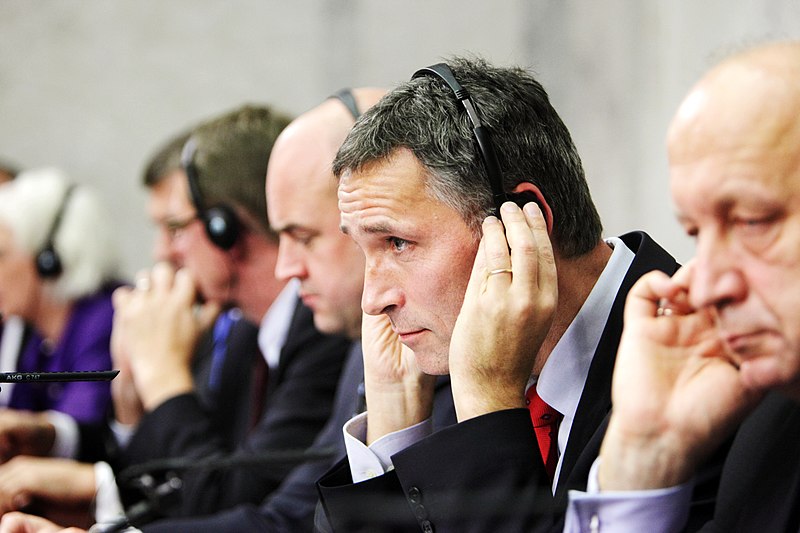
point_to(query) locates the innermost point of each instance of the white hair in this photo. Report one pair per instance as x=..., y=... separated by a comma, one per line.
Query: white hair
x=83, y=239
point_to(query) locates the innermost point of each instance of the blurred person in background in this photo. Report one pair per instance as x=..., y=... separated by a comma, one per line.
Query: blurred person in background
x=58, y=268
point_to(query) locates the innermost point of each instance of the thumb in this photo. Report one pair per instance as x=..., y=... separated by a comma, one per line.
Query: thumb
x=207, y=313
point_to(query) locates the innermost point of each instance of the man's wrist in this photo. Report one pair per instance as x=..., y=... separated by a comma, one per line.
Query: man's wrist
x=472, y=398
x=399, y=406
x=635, y=462
x=65, y=435
x=165, y=384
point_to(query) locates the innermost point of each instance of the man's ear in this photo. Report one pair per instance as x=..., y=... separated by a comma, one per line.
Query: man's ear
x=526, y=192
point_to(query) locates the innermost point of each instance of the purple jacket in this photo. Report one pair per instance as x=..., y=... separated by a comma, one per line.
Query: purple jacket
x=84, y=345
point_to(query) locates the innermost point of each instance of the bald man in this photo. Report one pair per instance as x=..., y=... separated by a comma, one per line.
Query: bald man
x=701, y=349
x=303, y=211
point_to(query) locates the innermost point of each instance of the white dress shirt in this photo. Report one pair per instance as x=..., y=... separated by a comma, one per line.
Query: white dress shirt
x=560, y=383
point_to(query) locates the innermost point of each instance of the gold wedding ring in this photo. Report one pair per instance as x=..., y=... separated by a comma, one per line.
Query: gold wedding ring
x=499, y=271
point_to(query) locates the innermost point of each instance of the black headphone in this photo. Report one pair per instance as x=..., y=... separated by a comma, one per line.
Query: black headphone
x=48, y=263
x=221, y=223
x=482, y=136
x=346, y=97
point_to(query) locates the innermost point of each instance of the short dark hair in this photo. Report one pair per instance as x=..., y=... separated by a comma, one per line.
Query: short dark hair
x=532, y=144
x=231, y=160
x=165, y=160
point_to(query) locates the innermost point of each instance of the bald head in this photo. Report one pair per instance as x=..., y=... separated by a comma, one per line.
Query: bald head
x=306, y=148
x=734, y=150
x=303, y=210
x=752, y=97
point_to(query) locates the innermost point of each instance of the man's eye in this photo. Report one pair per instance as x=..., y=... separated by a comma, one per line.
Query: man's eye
x=397, y=243
x=303, y=238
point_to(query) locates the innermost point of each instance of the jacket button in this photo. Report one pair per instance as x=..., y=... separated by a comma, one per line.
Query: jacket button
x=420, y=512
x=414, y=495
x=427, y=527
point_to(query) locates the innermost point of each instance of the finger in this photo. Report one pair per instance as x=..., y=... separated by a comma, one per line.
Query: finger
x=142, y=280
x=207, y=314
x=495, y=244
x=497, y=261
x=184, y=287
x=120, y=297
x=161, y=277
x=644, y=296
x=537, y=263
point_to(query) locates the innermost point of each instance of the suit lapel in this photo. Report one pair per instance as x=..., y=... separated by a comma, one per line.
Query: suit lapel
x=300, y=329
x=590, y=422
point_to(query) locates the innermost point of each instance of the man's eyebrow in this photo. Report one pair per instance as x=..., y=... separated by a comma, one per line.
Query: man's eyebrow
x=289, y=228
x=372, y=229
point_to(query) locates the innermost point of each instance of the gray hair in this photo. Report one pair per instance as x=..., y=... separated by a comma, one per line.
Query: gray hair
x=83, y=239
x=532, y=144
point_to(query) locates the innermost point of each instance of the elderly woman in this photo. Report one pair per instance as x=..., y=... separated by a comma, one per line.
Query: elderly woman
x=57, y=268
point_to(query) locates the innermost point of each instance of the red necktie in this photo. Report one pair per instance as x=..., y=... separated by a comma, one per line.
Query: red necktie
x=258, y=391
x=545, y=423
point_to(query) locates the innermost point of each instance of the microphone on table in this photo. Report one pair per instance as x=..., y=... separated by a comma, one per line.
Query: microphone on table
x=57, y=377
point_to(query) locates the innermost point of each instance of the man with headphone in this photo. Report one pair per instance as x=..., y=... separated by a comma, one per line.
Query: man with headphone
x=301, y=196
x=218, y=414
x=225, y=253
x=484, y=260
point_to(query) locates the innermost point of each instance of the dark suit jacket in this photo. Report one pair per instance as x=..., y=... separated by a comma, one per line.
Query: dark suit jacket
x=298, y=403
x=482, y=474
x=290, y=508
x=760, y=485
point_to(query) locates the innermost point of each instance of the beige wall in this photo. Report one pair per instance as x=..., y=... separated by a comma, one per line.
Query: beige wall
x=93, y=86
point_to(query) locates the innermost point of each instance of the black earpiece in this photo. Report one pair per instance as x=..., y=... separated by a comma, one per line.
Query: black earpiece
x=220, y=221
x=482, y=137
x=48, y=262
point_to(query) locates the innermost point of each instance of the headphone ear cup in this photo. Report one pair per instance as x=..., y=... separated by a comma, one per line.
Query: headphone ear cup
x=48, y=264
x=222, y=226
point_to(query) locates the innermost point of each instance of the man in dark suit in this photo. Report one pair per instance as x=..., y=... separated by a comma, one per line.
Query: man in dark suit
x=493, y=304
x=702, y=348
x=226, y=252
x=302, y=205
x=330, y=278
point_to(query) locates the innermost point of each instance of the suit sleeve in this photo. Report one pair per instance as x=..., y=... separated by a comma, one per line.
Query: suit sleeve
x=479, y=475
x=296, y=411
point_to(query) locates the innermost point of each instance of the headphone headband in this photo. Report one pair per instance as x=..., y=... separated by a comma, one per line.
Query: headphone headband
x=346, y=97
x=48, y=262
x=479, y=130
x=187, y=162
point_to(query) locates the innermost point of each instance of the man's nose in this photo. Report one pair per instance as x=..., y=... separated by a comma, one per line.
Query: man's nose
x=381, y=290
x=717, y=277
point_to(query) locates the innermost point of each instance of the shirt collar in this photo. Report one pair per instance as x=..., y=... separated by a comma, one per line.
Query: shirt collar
x=274, y=327
x=564, y=374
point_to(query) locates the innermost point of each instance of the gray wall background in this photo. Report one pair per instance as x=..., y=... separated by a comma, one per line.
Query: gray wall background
x=94, y=86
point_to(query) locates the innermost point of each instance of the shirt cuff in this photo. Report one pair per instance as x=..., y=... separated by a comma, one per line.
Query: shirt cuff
x=67, y=438
x=108, y=505
x=655, y=511
x=122, y=432
x=367, y=462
